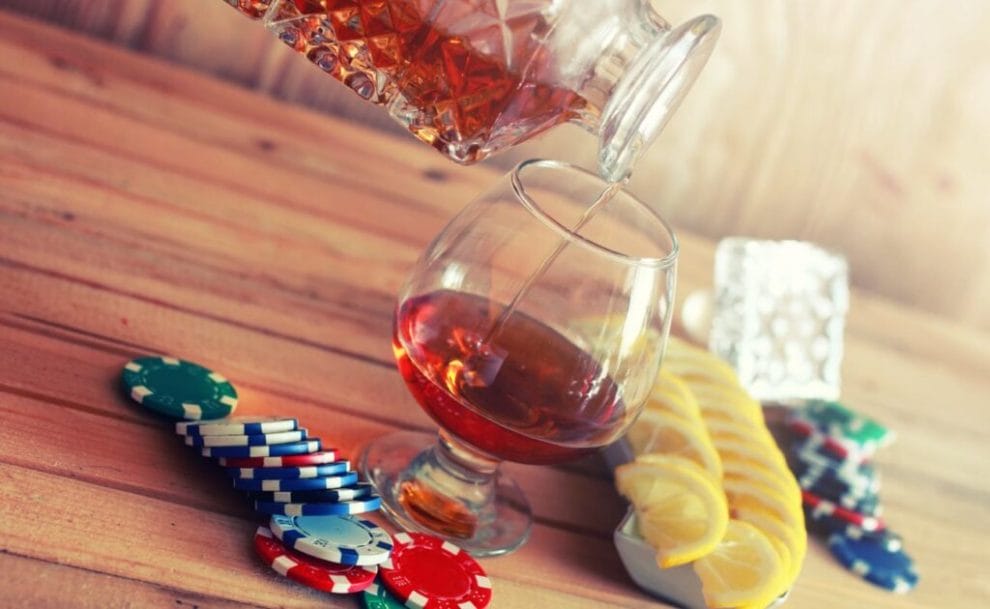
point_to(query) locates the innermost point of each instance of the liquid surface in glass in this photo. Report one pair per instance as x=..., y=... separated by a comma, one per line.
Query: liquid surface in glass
x=530, y=396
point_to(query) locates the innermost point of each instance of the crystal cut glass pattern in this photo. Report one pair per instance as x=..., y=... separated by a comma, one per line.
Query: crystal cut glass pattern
x=252, y=8
x=780, y=310
x=459, y=74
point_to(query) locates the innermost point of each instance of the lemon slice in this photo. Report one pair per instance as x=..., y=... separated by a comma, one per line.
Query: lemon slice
x=751, y=471
x=696, y=364
x=725, y=429
x=759, y=449
x=743, y=569
x=680, y=511
x=785, y=561
x=747, y=495
x=794, y=539
x=731, y=404
x=666, y=434
x=671, y=395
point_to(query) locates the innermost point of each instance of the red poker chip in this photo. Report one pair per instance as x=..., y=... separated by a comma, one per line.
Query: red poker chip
x=327, y=455
x=312, y=572
x=823, y=508
x=426, y=572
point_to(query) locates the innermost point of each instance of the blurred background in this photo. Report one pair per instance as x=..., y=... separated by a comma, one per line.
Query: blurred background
x=862, y=126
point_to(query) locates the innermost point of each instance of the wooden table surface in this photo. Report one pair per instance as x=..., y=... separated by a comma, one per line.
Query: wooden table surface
x=144, y=209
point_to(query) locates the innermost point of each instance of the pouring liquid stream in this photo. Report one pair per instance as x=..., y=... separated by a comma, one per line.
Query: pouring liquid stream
x=480, y=362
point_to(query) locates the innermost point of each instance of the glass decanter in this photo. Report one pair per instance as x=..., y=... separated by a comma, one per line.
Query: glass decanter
x=473, y=77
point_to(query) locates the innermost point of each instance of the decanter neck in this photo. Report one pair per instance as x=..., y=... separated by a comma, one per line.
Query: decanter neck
x=654, y=67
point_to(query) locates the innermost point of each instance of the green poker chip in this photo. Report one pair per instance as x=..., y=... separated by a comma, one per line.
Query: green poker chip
x=837, y=420
x=377, y=597
x=178, y=389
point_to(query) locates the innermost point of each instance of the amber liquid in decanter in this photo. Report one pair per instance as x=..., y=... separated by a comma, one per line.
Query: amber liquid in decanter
x=464, y=92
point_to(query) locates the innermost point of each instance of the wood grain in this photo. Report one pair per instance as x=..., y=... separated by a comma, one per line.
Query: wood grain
x=861, y=127
x=145, y=208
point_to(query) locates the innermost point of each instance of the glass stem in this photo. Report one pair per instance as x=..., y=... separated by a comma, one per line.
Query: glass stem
x=450, y=488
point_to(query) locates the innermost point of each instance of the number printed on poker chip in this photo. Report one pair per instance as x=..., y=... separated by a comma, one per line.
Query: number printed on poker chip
x=341, y=539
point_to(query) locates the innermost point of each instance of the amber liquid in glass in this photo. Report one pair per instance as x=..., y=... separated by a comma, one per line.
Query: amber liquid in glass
x=531, y=396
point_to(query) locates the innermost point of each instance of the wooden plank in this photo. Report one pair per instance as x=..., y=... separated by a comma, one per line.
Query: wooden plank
x=137, y=537
x=246, y=138
x=290, y=187
x=182, y=261
x=55, y=586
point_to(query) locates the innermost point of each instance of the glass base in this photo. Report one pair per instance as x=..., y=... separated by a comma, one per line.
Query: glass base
x=424, y=490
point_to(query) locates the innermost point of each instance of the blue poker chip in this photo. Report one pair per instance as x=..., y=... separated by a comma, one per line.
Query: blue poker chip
x=860, y=497
x=301, y=484
x=868, y=505
x=821, y=523
x=345, y=493
x=308, y=471
x=311, y=445
x=861, y=483
x=871, y=560
x=814, y=455
x=236, y=426
x=327, y=508
x=855, y=480
x=261, y=439
x=344, y=540
x=885, y=538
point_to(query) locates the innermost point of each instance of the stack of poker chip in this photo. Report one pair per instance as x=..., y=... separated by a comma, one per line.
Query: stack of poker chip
x=310, y=499
x=831, y=455
x=282, y=470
